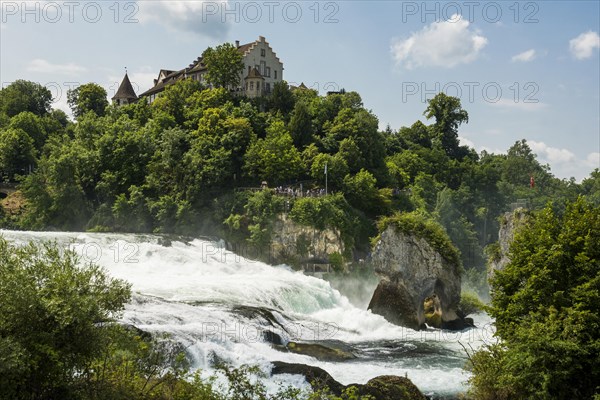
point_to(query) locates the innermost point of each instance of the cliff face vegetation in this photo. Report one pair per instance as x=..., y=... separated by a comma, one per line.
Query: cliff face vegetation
x=546, y=304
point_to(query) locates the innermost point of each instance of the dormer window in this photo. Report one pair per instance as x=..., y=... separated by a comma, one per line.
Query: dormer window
x=263, y=52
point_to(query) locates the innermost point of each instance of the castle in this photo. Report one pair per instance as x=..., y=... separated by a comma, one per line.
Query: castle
x=262, y=69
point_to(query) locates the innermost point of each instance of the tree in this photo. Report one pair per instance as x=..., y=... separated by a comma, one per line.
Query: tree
x=174, y=101
x=361, y=190
x=88, y=97
x=337, y=169
x=54, y=325
x=224, y=64
x=590, y=187
x=274, y=158
x=24, y=95
x=17, y=152
x=301, y=125
x=546, y=303
x=449, y=115
x=32, y=125
x=282, y=98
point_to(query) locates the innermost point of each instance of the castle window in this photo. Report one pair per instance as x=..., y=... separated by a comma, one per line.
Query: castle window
x=249, y=69
x=275, y=72
x=251, y=85
x=268, y=72
x=263, y=52
x=268, y=89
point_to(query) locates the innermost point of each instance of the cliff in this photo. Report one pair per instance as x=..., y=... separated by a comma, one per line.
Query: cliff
x=418, y=284
x=510, y=223
x=292, y=241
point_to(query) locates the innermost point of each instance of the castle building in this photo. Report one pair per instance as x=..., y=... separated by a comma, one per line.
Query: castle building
x=262, y=69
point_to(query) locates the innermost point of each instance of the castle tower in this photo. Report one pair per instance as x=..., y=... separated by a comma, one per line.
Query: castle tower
x=254, y=83
x=125, y=95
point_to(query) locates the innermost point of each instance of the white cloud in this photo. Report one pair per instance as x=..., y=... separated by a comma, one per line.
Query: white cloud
x=41, y=65
x=593, y=160
x=551, y=155
x=466, y=142
x=583, y=45
x=520, y=105
x=441, y=44
x=207, y=18
x=525, y=56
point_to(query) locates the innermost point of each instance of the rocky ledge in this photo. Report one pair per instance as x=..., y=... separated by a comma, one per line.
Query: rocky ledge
x=383, y=387
x=418, y=284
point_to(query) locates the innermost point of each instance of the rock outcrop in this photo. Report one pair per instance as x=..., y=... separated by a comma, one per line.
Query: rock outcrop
x=415, y=276
x=510, y=223
x=292, y=240
x=323, y=350
x=383, y=387
x=391, y=387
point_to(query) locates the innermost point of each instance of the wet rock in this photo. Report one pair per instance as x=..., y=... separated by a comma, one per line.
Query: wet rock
x=273, y=338
x=393, y=303
x=317, y=377
x=414, y=275
x=385, y=387
x=323, y=350
x=391, y=387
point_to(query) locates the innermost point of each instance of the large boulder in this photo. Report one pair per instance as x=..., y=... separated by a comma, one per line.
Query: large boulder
x=391, y=387
x=323, y=350
x=317, y=377
x=385, y=387
x=416, y=275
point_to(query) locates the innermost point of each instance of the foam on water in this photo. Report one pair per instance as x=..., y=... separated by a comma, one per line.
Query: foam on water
x=218, y=304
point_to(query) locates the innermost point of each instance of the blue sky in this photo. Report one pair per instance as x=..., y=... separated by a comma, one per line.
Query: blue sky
x=523, y=70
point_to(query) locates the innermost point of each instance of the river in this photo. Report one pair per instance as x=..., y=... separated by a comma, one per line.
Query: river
x=218, y=304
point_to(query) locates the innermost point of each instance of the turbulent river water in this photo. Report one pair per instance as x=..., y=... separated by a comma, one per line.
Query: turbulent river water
x=218, y=304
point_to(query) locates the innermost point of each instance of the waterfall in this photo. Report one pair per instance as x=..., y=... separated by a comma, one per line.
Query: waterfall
x=218, y=304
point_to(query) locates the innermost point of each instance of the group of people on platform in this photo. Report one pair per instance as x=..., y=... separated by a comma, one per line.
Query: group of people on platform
x=298, y=192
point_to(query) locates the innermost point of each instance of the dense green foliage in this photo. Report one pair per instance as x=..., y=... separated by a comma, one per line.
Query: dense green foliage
x=224, y=64
x=181, y=164
x=52, y=314
x=546, y=303
x=87, y=98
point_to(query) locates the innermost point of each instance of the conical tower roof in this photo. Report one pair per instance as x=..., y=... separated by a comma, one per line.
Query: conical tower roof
x=125, y=90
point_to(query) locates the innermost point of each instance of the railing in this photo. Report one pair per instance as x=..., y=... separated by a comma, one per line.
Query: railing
x=520, y=203
x=314, y=268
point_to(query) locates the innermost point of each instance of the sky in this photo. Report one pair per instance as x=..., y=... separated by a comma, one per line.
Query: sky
x=522, y=69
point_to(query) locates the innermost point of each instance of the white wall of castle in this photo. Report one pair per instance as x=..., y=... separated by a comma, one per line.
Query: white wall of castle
x=264, y=59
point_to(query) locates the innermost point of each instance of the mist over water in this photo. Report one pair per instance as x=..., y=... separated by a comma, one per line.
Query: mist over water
x=218, y=305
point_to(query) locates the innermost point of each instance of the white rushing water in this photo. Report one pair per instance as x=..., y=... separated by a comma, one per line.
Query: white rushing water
x=218, y=304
